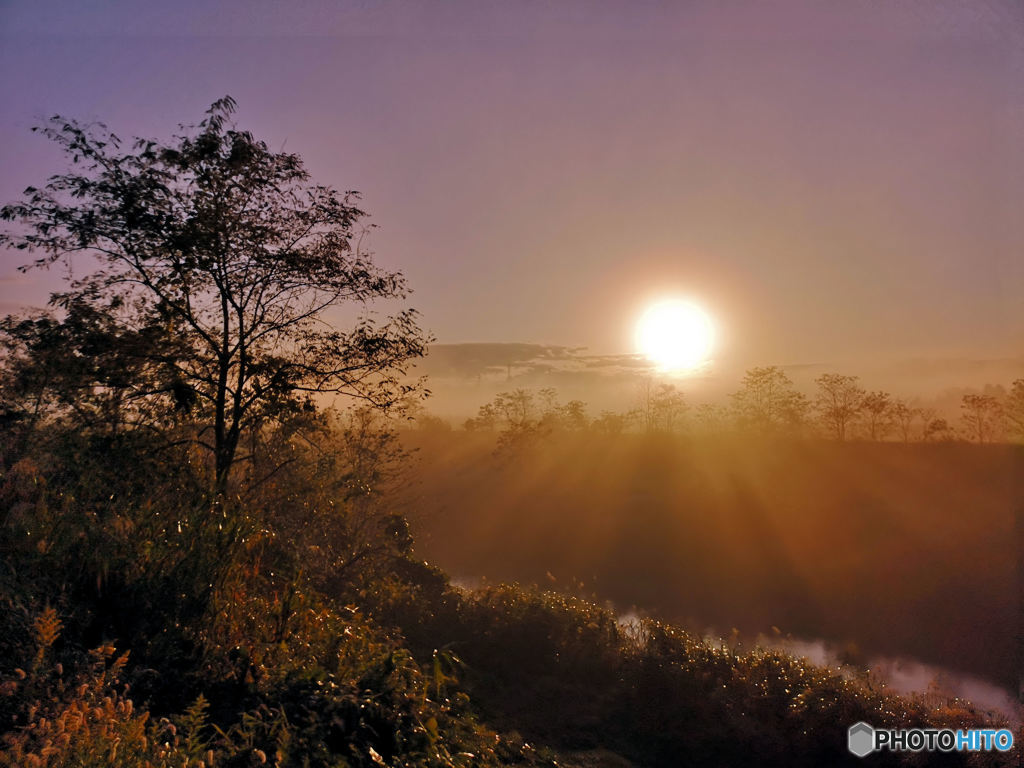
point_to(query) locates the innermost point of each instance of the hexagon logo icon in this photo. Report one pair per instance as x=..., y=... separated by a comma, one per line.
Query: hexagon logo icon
x=860, y=739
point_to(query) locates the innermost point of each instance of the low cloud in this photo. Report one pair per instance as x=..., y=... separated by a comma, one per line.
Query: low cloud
x=496, y=361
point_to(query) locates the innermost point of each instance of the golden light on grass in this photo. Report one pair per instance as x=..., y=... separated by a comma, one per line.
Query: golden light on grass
x=675, y=335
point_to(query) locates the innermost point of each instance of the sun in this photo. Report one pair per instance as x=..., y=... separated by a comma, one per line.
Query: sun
x=675, y=335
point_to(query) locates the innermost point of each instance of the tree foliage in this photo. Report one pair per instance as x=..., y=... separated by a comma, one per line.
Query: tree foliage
x=877, y=408
x=838, y=402
x=983, y=417
x=1014, y=410
x=904, y=416
x=767, y=402
x=214, y=266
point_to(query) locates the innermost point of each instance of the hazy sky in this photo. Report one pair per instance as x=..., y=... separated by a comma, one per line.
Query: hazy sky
x=832, y=181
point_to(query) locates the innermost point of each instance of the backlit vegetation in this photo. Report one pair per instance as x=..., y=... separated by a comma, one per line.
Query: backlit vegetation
x=203, y=564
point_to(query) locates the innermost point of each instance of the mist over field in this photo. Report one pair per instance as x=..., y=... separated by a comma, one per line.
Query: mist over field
x=879, y=549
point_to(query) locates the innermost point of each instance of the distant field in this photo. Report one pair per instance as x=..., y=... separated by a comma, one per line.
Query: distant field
x=888, y=549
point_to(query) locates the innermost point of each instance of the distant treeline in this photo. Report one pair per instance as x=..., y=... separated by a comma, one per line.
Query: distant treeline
x=766, y=403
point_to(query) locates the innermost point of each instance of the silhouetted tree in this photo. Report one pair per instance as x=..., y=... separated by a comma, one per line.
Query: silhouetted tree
x=936, y=429
x=982, y=416
x=429, y=422
x=904, y=417
x=517, y=408
x=1014, y=409
x=216, y=260
x=767, y=401
x=645, y=404
x=711, y=417
x=548, y=397
x=486, y=419
x=668, y=406
x=552, y=415
x=575, y=414
x=87, y=370
x=878, y=417
x=838, y=402
x=611, y=423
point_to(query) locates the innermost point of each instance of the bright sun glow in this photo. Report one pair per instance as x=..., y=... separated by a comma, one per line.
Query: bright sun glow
x=675, y=335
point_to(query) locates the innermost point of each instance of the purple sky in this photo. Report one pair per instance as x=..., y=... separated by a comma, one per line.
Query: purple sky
x=836, y=182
